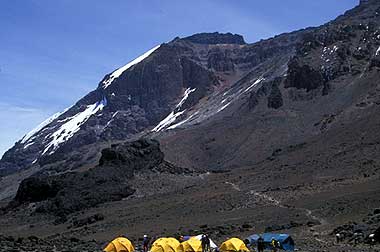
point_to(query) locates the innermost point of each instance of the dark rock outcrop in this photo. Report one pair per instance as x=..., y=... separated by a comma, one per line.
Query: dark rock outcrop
x=270, y=90
x=134, y=156
x=358, y=232
x=220, y=60
x=74, y=191
x=303, y=76
x=53, y=243
x=275, y=97
x=87, y=221
x=216, y=38
x=35, y=189
x=253, y=100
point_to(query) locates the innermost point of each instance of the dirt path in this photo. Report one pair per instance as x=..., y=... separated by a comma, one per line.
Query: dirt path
x=234, y=186
x=308, y=213
x=253, y=196
x=277, y=203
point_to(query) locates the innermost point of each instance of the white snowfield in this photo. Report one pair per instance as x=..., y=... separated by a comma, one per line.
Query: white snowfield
x=173, y=126
x=254, y=84
x=233, y=97
x=40, y=127
x=185, y=96
x=119, y=71
x=68, y=129
x=28, y=144
x=172, y=117
x=213, y=107
x=378, y=51
x=223, y=107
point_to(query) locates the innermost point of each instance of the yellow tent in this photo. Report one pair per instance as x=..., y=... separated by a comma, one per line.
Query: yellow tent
x=232, y=245
x=191, y=245
x=120, y=244
x=165, y=245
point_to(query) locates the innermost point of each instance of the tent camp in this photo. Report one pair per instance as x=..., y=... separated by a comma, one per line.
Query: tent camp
x=120, y=244
x=232, y=245
x=212, y=244
x=165, y=245
x=285, y=240
x=191, y=245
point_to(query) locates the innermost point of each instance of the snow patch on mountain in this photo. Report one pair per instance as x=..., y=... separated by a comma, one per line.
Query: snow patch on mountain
x=378, y=51
x=40, y=127
x=223, y=107
x=172, y=117
x=254, y=84
x=234, y=96
x=112, y=118
x=119, y=71
x=68, y=129
x=28, y=144
x=215, y=105
x=184, y=121
x=188, y=91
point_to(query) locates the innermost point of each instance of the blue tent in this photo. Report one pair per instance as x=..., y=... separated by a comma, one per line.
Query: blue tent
x=285, y=240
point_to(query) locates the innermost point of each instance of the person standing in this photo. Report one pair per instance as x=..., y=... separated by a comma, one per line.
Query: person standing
x=204, y=243
x=208, y=242
x=181, y=238
x=260, y=244
x=357, y=237
x=337, y=237
x=274, y=244
x=146, y=241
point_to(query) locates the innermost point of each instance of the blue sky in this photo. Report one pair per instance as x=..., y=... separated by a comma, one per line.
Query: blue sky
x=54, y=52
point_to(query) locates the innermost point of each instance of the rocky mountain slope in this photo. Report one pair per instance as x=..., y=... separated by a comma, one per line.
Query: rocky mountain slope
x=216, y=82
x=163, y=82
x=327, y=80
x=279, y=135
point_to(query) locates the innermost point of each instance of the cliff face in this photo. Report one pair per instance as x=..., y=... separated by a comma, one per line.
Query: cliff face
x=232, y=102
x=312, y=81
x=157, y=91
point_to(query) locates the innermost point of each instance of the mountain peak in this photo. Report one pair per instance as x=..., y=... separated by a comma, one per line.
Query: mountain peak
x=216, y=38
x=365, y=2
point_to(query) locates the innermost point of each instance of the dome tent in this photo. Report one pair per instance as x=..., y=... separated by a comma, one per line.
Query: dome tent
x=191, y=245
x=165, y=245
x=212, y=244
x=232, y=245
x=120, y=244
x=285, y=240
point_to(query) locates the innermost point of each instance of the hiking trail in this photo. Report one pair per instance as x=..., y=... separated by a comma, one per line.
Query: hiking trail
x=308, y=213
